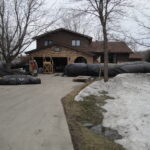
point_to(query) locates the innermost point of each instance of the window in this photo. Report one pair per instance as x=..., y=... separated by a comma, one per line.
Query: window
x=73, y=43
x=47, y=42
x=57, y=49
x=76, y=42
x=50, y=42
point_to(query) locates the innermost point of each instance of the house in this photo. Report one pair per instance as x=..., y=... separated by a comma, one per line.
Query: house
x=135, y=57
x=118, y=51
x=64, y=47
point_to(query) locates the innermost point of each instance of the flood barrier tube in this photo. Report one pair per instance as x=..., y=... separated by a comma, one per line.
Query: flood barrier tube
x=82, y=69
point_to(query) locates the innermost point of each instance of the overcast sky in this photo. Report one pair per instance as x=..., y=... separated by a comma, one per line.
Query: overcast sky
x=128, y=24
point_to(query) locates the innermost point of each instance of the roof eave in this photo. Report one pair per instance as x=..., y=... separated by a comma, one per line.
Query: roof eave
x=88, y=53
x=44, y=34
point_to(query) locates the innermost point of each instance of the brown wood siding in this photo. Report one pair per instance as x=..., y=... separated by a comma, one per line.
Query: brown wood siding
x=63, y=37
x=122, y=58
x=119, y=57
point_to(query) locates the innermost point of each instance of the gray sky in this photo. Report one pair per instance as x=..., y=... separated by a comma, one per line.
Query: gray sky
x=127, y=24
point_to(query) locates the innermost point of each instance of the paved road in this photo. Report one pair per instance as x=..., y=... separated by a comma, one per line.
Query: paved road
x=32, y=117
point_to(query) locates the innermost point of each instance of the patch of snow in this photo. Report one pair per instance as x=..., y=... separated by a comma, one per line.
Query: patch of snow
x=129, y=112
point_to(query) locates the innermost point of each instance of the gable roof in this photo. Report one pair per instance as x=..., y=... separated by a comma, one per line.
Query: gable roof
x=62, y=29
x=95, y=47
x=113, y=47
x=62, y=45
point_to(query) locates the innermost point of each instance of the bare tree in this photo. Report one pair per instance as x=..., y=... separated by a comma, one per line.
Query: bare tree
x=144, y=32
x=73, y=20
x=146, y=55
x=97, y=33
x=79, y=22
x=108, y=12
x=19, y=21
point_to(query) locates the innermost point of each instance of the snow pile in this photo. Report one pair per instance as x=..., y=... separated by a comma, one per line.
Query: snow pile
x=129, y=112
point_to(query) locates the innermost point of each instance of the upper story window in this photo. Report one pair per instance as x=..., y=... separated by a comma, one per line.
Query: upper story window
x=47, y=42
x=50, y=42
x=76, y=42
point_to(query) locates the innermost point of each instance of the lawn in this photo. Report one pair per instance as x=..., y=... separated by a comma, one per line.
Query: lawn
x=89, y=110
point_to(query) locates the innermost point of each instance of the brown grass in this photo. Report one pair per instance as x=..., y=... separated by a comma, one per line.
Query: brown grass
x=86, y=111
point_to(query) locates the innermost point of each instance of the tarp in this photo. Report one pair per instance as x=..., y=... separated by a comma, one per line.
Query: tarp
x=78, y=69
x=129, y=67
x=19, y=79
x=15, y=65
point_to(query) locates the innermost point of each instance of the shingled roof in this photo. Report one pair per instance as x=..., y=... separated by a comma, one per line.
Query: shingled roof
x=62, y=29
x=113, y=47
x=61, y=45
x=135, y=55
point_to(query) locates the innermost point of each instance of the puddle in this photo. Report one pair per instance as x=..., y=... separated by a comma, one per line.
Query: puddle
x=107, y=132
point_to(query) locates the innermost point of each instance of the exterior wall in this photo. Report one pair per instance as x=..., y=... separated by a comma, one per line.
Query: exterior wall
x=63, y=37
x=135, y=59
x=64, y=52
x=116, y=57
x=122, y=58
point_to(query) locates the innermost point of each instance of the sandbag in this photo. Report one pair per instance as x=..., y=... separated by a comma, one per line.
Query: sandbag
x=16, y=64
x=4, y=71
x=19, y=79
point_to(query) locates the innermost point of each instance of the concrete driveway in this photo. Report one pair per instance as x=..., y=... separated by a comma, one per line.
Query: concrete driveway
x=32, y=116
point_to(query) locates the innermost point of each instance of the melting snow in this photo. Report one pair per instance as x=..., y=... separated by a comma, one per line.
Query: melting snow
x=129, y=112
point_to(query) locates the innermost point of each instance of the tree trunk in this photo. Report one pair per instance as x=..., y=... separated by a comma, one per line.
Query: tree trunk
x=8, y=65
x=105, y=48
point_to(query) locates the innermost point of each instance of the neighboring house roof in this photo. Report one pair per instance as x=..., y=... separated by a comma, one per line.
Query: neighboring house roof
x=62, y=29
x=135, y=55
x=113, y=47
x=62, y=45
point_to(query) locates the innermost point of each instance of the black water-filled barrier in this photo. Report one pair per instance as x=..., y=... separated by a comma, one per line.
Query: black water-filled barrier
x=129, y=67
x=81, y=69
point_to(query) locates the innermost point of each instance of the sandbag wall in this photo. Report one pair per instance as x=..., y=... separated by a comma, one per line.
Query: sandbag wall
x=14, y=68
x=19, y=79
x=15, y=77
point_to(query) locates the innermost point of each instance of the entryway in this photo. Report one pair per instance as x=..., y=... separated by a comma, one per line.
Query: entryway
x=59, y=63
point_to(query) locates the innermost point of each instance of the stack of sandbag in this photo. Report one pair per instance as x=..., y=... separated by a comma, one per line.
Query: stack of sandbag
x=13, y=71
x=19, y=79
